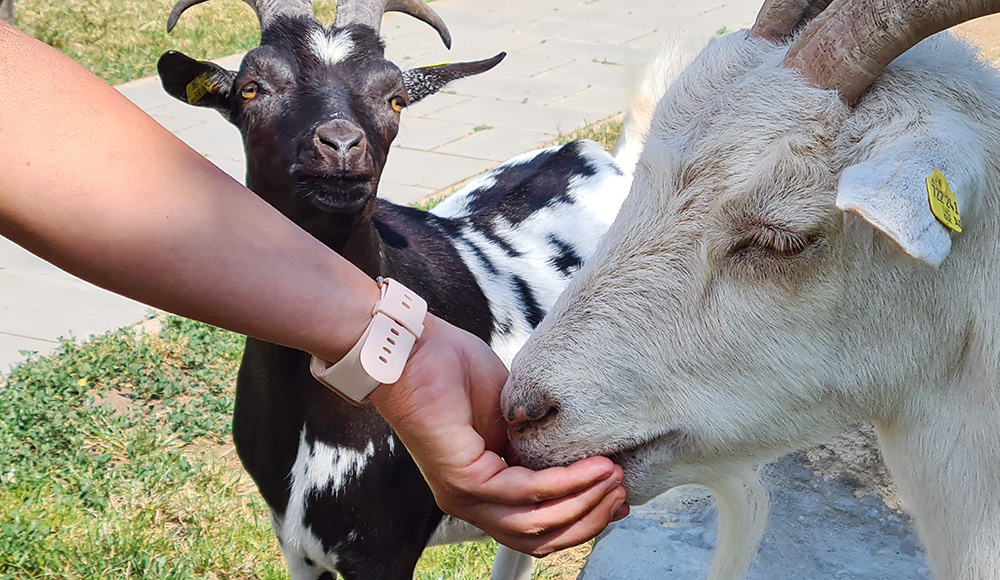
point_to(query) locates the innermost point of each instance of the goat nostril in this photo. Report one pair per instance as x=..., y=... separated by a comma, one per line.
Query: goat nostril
x=524, y=417
x=339, y=135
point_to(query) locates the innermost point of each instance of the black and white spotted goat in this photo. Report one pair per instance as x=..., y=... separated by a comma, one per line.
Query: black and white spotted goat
x=318, y=108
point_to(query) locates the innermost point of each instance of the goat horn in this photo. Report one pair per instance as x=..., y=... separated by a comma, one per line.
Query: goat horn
x=370, y=14
x=266, y=10
x=849, y=45
x=779, y=19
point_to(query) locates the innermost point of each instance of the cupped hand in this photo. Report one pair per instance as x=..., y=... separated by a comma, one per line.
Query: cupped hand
x=446, y=410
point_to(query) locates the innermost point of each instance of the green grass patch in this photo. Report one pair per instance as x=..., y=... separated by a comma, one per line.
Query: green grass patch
x=122, y=40
x=116, y=462
x=605, y=132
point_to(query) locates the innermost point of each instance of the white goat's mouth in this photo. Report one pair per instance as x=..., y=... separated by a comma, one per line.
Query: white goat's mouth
x=668, y=441
x=631, y=451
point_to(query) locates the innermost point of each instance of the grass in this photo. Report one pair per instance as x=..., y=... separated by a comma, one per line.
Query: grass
x=117, y=463
x=122, y=40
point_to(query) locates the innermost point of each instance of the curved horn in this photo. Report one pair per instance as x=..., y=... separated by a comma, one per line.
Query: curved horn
x=369, y=13
x=779, y=19
x=849, y=45
x=266, y=10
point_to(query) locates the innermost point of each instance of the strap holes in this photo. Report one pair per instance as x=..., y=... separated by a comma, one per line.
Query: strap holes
x=383, y=359
x=390, y=341
x=394, y=331
x=386, y=349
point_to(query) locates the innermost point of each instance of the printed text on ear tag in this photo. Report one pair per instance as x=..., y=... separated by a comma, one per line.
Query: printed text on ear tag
x=198, y=88
x=943, y=202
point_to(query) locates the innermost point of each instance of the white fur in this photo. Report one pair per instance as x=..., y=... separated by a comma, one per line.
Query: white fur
x=689, y=347
x=332, y=50
x=317, y=467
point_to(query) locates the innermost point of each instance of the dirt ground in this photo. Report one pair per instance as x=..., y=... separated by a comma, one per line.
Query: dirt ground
x=985, y=32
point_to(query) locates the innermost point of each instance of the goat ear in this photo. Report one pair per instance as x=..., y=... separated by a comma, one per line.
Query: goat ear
x=427, y=80
x=896, y=189
x=196, y=82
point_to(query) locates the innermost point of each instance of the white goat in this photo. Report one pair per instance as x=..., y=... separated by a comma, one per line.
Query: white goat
x=777, y=274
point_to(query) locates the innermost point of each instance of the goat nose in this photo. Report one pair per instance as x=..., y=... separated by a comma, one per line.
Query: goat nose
x=341, y=136
x=522, y=415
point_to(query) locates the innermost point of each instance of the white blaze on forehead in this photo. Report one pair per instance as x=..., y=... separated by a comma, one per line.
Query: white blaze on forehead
x=332, y=50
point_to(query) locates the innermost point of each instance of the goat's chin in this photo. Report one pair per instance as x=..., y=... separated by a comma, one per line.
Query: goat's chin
x=647, y=465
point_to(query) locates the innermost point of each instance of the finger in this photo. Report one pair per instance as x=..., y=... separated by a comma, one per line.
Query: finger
x=550, y=515
x=519, y=486
x=577, y=533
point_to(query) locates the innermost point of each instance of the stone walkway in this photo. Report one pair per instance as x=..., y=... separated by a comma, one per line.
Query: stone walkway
x=568, y=65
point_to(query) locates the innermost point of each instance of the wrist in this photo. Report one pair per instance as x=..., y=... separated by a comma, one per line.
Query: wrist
x=381, y=353
x=387, y=398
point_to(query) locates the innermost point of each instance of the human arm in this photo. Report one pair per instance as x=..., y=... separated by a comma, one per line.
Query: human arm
x=92, y=184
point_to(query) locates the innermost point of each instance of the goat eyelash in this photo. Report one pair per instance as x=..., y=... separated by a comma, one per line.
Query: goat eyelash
x=775, y=241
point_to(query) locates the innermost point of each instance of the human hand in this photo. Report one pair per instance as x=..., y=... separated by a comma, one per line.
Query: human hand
x=446, y=410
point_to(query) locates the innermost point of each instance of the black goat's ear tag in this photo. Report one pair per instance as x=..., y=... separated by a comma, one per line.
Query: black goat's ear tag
x=197, y=89
x=427, y=80
x=196, y=82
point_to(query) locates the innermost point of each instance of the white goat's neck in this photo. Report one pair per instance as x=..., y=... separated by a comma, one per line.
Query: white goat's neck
x=945, y=460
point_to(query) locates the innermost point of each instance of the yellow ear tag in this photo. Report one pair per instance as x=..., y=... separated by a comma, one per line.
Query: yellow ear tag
x=943, y=202
x=198, y=88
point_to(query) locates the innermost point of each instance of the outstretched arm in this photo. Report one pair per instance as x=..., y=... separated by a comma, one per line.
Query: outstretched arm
x=91, y=183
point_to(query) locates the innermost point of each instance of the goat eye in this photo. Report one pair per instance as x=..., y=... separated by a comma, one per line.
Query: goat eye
x=249, y=91
x=775, y=241
x=397, y=103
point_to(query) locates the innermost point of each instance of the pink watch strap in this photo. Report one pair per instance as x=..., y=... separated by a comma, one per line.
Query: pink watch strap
x=382, y=351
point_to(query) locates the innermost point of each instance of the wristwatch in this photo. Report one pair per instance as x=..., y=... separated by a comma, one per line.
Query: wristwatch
x=380, y=353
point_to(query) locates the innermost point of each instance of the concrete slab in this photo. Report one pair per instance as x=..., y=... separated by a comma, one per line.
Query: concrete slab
x=404, y=194
x=46, y=307
x=430, y=170
x=495, y=145
x=15, y=349
x=548, y=120
x=427, y=134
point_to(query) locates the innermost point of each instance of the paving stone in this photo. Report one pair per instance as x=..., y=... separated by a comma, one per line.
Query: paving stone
x=521, y=116
x=434, y=103
x=236, y=169
x=584, y=74
x=607, y=100
x=577, y=50
x=145, y=93
x=403, y=194
x=474, y=16
x=14, y=258
x=496, y=145
x=426, y=134
x=430, y=170
x=12, y=345
x=586, y=30
x=176, y=116
x=46, y=307
x=217, y=139
x=518, y=89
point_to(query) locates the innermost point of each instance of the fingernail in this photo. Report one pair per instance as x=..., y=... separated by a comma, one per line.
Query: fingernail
x=619, y=511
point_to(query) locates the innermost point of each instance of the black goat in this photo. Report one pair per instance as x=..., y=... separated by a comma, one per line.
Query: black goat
x=318, y=109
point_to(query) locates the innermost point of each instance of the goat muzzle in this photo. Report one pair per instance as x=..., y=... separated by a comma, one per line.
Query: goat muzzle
x=342, y=148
